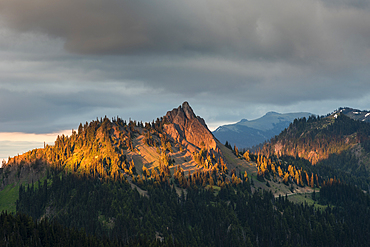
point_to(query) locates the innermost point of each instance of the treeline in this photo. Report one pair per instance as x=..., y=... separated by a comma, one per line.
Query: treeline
x=197, y=217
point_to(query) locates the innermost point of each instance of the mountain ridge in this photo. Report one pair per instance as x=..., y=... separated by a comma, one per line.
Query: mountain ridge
x=335, y=144
x=248, y=133
x=356, y=114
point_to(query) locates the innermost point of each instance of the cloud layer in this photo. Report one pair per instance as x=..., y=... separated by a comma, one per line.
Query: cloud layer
x=64, y=62
x=304, y=31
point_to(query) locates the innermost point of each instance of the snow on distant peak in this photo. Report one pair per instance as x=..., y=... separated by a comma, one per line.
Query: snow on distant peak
x=367, y=114
x=356, y=112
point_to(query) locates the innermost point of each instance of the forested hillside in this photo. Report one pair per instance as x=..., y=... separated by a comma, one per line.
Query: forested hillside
x=337, y=145
x=316, y=139
x=111, y=148
x=170, y=183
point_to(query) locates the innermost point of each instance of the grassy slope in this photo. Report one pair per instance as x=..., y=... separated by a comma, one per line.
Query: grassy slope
x=8, y=197
x=10, y=194
x=240, y=165
x=307, y=198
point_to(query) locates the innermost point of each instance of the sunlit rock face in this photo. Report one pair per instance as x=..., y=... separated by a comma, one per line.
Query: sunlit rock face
x=185, y=127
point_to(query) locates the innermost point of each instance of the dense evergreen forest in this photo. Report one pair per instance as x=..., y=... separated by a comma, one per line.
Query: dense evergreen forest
x=198, y=217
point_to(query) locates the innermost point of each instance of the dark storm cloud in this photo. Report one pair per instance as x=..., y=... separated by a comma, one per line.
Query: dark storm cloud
x=51, y=107
x=360, y=4
x=288, y=30
x=142, y=58
x=47, y=110
x=32, y=111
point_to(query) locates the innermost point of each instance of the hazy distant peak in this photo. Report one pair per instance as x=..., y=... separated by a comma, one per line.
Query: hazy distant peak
x=247, y=133
x=272, y=113
x=243, y=120
x=270, y=119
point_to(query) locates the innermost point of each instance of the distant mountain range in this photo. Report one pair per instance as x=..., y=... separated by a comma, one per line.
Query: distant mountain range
x=245, y=133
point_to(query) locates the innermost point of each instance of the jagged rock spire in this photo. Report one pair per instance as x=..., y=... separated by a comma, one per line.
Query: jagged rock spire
x=184, y=126
x=187, y=110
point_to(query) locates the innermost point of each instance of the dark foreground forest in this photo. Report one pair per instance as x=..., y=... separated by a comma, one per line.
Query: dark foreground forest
x=85, y=211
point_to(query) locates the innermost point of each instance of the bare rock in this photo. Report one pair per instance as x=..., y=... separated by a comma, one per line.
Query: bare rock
x=185, y=127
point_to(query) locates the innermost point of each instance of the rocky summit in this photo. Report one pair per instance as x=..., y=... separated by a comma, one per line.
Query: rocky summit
x=190, y=130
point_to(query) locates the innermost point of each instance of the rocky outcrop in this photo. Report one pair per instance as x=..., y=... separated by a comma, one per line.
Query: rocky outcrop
x=185, y=127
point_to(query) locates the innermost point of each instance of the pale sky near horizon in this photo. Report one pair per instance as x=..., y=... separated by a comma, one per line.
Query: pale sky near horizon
x=64, y=62
x=14, y=143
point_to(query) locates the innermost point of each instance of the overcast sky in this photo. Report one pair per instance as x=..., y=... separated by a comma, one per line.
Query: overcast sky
x=63, y=62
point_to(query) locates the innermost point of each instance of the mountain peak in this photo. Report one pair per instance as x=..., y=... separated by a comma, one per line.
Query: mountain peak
x=185, y=127
x=243, y=120
x=183, y=112
x=272, y=113
x=188, y=110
